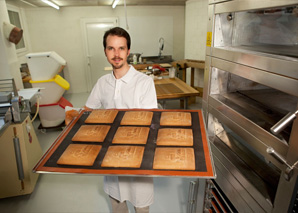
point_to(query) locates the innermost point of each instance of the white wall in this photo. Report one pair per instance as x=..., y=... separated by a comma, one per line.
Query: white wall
x=9, y=65
x=60, y=31
x=196, y=18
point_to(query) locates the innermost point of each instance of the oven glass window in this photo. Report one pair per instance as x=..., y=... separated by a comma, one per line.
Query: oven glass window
x=272, y=31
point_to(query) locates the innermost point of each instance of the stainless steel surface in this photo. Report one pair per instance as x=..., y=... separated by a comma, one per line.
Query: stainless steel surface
x=12, y=109
x=8, y=103
x=236, y=186
x=206, y=79
x=277, y=64
x=285, y=84
x=219, y=198
x=232, y=6
x=251, y=85
x=256, y=136
x=209, y=40
x=130, y=57
x=192, y=196
x=286, y=187
x=293, y=149
x=158, y=59
x=18, y=156
x=5, y=96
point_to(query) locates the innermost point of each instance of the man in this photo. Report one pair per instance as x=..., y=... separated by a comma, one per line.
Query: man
x=124, y=88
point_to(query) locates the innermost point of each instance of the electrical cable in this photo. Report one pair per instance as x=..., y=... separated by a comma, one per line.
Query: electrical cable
x=126, y=15
x=37, y=109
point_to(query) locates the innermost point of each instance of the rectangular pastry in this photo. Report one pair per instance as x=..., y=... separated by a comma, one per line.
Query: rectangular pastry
x=174, y=158
x=79, y=155
x=175, y=119
x=131, y=135
x=174, y=137
x=91, y=133
x=123, y=156
x=102, y=116
x=137, y=118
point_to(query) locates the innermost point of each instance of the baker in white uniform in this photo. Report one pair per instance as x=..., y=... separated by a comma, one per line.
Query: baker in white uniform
x=124, y=88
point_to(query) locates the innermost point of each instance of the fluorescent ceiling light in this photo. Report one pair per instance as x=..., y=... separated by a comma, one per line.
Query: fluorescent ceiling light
x=115, y=3
x=51, y=4
x=28, y=3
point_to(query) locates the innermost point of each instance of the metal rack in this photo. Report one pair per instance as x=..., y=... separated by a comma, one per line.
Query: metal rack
x=8, y=102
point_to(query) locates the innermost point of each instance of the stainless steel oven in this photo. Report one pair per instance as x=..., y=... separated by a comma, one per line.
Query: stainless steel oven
x=250, y=103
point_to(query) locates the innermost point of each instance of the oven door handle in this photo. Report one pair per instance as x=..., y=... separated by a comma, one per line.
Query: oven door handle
x=289, y=171
x=283, y=123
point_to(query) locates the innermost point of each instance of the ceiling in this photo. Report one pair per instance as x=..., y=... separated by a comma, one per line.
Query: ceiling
x=75, y=3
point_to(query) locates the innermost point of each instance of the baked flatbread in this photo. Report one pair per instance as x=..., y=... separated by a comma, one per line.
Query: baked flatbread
x=123, y=156
x=79, y=155
x=175, y=119
x=174, y=137
x=137, y=118
x=131, y=135
x=91, y=133
x=102, y=116
x=174, y=159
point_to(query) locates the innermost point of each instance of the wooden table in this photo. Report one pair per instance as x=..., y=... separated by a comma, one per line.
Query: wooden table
x=173, y=88
x=186, y=63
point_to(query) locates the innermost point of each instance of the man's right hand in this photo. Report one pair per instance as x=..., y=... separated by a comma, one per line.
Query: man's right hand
x=70, y=115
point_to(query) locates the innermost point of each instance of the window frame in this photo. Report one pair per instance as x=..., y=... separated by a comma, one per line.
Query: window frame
x=17, y=10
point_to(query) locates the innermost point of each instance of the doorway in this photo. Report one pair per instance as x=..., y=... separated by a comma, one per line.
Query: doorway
x=95, y=59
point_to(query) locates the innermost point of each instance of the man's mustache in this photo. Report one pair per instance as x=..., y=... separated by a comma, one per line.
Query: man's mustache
x=117, y=58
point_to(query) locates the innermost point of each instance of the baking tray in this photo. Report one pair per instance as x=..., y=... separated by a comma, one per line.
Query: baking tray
x=203, y=160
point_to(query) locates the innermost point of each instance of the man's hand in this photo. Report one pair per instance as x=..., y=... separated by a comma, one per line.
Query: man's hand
x=70, y=115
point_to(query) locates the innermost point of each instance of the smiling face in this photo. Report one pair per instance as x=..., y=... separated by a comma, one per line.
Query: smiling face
x=117, y=51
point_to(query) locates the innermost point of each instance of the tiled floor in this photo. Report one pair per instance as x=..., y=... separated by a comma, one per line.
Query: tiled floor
x=61, y=193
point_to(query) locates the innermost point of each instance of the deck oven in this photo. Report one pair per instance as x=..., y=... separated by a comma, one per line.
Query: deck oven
x=250, y=103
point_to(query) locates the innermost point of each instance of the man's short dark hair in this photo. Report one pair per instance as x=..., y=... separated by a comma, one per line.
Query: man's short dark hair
x=116, y=31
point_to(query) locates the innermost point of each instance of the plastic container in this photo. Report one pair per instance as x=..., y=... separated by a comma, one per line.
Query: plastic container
x=51, y=90
x=135, y=59
x=44, y=65
x=52, y=115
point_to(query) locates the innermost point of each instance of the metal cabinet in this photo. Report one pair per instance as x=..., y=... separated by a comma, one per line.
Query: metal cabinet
x=20, y=151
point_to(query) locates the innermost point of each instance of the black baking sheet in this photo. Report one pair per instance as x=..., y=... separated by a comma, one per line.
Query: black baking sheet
x=147, y=162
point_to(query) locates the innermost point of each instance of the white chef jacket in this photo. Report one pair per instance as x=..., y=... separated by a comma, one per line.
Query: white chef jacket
x=133, y=90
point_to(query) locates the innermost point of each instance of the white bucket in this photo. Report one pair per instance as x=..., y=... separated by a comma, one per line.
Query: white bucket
x=52, y=115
